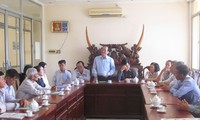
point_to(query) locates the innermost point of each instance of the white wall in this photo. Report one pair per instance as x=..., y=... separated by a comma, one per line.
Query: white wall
x=165, y=37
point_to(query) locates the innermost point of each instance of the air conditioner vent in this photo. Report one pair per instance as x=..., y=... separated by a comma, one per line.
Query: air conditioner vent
x=95, y=12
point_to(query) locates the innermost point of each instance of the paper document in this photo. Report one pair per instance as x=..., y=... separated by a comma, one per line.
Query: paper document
x=13, y=115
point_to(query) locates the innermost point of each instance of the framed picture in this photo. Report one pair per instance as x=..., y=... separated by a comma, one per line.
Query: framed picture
x=59, y=26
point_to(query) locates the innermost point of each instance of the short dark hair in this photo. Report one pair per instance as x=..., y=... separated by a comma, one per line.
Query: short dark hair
x=182, y=69
x=124, y=61
x=62, y=62
x=42, y=64
x=12, y=73
x=156, y=66
x=1, y=73
x=38, y=68
x=80, y=62
x=26, y=68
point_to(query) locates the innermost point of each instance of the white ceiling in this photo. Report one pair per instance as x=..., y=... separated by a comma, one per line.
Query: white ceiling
x=57, y=2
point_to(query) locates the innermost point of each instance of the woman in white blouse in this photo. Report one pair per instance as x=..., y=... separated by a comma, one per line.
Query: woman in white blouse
x=29, y=87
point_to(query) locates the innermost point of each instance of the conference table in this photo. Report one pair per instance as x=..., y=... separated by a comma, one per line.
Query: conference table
x=116, y=100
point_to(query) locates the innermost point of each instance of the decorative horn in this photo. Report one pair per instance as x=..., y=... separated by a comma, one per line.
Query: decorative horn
x=141, y=38
x=87, y=38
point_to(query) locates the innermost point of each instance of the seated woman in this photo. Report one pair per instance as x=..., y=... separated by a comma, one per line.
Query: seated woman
x=44, y=77
x=152, y=74
x=125, y=71
x=40, y=74
x=81, y=72
x=29, y=87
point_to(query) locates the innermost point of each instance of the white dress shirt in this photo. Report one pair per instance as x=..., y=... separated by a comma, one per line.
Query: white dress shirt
x=10, y=93
x=29, y=89
x=61, y=78
x=85, y=75
x=6, y=105
x=46, y=81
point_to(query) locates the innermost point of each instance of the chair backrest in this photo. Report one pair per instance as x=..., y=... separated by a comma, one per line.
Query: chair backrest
x=144, y=70
x=118, y=52
x=195, y=74
x=22, y=76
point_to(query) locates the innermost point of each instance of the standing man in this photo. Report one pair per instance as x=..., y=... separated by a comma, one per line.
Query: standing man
x=62, y=77
x=103, y=66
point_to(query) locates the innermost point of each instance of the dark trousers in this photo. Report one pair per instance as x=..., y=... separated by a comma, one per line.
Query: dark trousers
x=103, y=78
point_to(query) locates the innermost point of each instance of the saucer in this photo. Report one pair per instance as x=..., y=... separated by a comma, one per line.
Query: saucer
x=153, y=92
x=142, y=82
x=36, y=110
x=155, y=106
x=45, y=98
x=29, y=116
x=159, y=110
x=150, y=87
x=45, y=104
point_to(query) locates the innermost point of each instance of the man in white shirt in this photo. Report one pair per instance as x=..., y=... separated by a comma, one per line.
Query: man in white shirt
x=62, y=77
x=10, y=79
x=81, y=72
x=3, y=96
x=44, y=77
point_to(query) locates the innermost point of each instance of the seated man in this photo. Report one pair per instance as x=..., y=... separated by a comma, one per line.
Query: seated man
x=62, y=77
x=29, y=87
x=171, y=81
x=165, y=73
x=4, y=105
x=10, y=78
x=193, y=109
x=80, y=72
x=40, y=80
x=186, y=87
x=44, y=77
x=125, y=71
x=103, y=66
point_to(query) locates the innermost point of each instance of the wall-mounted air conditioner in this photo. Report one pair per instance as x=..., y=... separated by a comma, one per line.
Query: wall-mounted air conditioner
x=98, y=12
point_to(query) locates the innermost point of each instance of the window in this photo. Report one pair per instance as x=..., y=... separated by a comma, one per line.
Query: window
x=195, y=34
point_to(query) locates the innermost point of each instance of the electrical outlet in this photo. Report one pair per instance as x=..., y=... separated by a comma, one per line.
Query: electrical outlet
x=55, y=51
x=52, y=51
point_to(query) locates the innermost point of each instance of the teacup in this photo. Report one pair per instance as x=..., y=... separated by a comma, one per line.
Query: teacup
x=127, y=80
x=67, y=88
x=82, y=81
x=45, y=96
x=45, y=102
x=29, y=113
x=72, y=82
x=152, y=84
x=142, y=81
x=148, y=83
x=97, y=81
x=135, y=80
x=109, y=81
x=162, y=108
x=152, y=90
x=61, y=93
